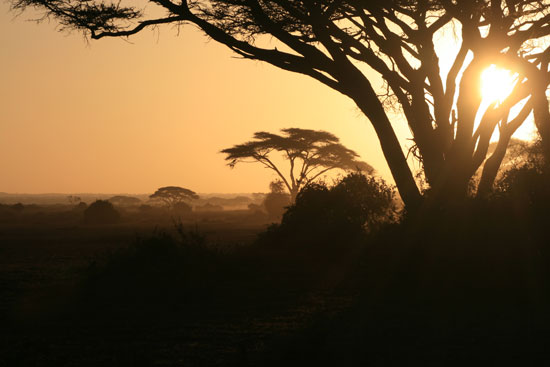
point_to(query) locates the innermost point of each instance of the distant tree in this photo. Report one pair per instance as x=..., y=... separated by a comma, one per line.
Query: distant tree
x=101, y=212
x=171, y=196
x=310, y=153
x=276, y=202
x=122, y=200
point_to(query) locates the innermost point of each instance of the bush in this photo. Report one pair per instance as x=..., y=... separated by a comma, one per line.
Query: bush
x=525, y=183
x=335, y=216
x=525, y=188
x=101, y=212
x=355, y=203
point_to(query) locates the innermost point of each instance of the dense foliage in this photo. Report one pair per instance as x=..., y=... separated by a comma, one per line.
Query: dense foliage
x=321, y=212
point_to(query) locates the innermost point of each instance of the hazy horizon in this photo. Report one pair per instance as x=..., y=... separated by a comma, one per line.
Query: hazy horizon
x=121, y=193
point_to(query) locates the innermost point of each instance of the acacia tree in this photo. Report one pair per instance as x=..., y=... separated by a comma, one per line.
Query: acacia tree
x=310, y=154
x=173, y=195
x=350, y=44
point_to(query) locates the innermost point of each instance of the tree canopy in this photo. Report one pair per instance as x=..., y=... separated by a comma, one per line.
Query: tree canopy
x=311, y=153
x=352, y=45
x=171, y=196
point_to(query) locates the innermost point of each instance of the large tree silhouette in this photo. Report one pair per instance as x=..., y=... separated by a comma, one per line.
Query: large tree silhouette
x=310, y=154
x=350, y=45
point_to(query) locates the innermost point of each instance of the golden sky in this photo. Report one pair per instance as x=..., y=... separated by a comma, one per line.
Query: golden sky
x=120, y=117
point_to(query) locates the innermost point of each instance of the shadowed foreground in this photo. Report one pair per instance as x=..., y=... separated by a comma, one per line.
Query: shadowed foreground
x=341, y=280
x=172, y=298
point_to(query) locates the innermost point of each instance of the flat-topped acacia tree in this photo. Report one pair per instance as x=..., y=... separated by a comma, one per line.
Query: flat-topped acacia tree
x=310, y=153
x=171, y=196
x=349, y=45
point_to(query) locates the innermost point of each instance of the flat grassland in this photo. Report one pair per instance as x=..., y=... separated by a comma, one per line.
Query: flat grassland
x=136, y=294
x=42, y=263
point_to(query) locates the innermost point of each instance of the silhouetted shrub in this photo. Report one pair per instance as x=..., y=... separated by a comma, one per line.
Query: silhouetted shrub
x=525, y=182
x=101, y=212
x=525, y=187
x=355, y=203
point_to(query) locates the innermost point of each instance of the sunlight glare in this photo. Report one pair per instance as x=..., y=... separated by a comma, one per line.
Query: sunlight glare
x=496, y=84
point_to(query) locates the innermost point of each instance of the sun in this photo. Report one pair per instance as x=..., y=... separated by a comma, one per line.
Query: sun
x=496, y=84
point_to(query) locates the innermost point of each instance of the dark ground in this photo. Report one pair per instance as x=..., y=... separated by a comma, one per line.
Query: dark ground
x=39, y=269
x=263, y=307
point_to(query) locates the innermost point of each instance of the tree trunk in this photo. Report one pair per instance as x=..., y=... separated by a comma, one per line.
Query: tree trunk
x=490, y=168
x=542, y=121
x=451, y=188
x=367, y=101
x=293, y=193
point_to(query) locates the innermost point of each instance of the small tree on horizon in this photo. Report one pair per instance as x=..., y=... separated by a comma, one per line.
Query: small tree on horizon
x=310, y=153
x=172, y=196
